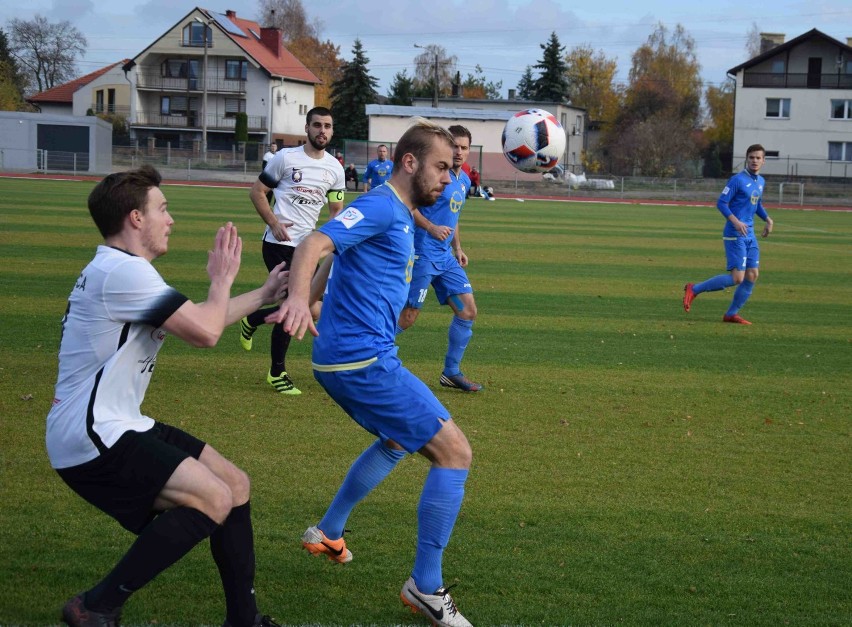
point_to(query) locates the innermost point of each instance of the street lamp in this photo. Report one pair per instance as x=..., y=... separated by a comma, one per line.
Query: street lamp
x=204, y=97
x=435, y=90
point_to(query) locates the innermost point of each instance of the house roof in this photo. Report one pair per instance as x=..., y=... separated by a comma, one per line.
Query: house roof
x=64, y=94
x=813, y=33
x=246, y=34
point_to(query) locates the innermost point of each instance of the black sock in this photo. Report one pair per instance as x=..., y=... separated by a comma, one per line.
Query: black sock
x=232, y=546
x=279, y=344
x=256, y=318
x=165, y=540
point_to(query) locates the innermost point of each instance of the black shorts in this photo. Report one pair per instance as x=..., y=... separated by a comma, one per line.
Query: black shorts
x=273, y=254
x=125, y=481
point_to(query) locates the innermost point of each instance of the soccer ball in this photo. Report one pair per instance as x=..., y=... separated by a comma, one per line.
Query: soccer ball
x=533, y=140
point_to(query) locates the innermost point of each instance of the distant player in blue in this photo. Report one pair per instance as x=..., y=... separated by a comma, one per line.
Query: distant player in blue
x=378, y=170
x=440, y=261
x=739, y=202
x=355, y=360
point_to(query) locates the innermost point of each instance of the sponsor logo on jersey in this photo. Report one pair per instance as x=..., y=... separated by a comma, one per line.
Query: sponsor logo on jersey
x=350, y=217
x=456, y=201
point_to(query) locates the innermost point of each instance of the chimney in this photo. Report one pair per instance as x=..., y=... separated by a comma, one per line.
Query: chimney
x=849, y=41
x=768, y=41
x=230, y=14
x=271, y=38
x=511, y=94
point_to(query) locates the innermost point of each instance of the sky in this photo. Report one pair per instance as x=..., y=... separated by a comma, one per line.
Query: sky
x=503, y=37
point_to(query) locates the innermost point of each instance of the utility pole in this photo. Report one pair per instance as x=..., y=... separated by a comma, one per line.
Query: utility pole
x=435, y=78
x=204, y=96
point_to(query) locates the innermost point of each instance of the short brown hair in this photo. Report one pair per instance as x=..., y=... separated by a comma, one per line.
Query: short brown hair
x=457, y=130
x=417, y=140
x=755, y=148
x=118, y=194
x=319, y=111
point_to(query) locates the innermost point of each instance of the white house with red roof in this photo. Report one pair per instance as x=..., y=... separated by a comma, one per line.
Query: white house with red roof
x=103, y=91
x=248, y=70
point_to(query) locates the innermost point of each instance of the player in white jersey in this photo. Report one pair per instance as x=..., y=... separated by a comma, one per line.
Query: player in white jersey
x=302, y=179
x=159, y=482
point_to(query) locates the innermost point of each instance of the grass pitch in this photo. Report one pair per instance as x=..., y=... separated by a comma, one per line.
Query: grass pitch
x=632, y=464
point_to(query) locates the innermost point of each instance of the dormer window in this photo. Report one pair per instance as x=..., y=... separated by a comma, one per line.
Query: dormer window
x=193, y=34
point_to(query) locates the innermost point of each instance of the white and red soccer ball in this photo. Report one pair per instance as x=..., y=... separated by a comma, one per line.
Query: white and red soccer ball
x=533, y=140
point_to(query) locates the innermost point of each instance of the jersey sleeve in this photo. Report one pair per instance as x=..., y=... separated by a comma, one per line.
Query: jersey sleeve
x=725, y=197
x=274, y=171
x=367, y=172
x=358, y=222
x=135, y=292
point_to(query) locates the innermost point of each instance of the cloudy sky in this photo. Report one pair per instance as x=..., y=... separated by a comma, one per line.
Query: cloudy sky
x=501, y=36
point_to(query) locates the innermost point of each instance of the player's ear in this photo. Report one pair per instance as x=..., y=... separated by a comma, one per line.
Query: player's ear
x=409, y=163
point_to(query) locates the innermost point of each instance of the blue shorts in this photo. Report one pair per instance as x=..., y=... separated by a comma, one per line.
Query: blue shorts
x=448, y=278
x=388, y=401
x=742, y=253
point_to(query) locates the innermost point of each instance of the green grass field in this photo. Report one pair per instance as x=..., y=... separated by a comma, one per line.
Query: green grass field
x=632, y=464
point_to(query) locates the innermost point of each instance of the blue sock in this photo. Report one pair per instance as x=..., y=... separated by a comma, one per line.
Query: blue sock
x=368, y=471
x=718, y=282
x=439, y=507
x=460, y=333
x=740, y=297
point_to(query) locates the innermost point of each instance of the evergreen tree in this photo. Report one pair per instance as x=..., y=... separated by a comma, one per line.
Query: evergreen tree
x=552, y=84
x=351, y=94
x=401, y=90
x=12, y=82
x=526, y=86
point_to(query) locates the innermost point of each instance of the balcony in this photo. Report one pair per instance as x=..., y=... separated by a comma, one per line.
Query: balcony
x=97, y=109
x=797, y=81
x=215, y=85
x=192, y=121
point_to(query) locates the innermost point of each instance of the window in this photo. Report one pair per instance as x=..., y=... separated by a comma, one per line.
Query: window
x=236, y=69
x=99, y=101
x=778, y=108
x=174, y=68
x=841, y=109
x=772, y=154
x=840, y=151
x=234, y=106
x=177, y=105
x=778, y=66
x=193, y=34
x=303, y=109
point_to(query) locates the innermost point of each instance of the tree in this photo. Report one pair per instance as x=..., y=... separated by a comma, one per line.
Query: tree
x=719, y=130
x=289, y=16
x=551, y=85
x=401, y=90
x=350, y=95
x=46, y=51
x=654, y=131
x=526, y=86
x=241, y=127
x=424, y=71
x=302, y=39
x=752, y=44
x=12, y=82
x=477, y=86
x=591, y=82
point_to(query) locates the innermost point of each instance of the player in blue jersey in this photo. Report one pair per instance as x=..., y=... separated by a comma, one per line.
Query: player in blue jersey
x=739, y=202
x=440, y=261
x=355, y=360
x=378, y=170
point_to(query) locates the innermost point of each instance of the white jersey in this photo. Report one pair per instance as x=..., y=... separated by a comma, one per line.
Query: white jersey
x=110, y=338
x=300, y=185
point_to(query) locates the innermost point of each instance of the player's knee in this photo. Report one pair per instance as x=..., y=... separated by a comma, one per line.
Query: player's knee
x=738, y=277
x=407, y=317
x=240, y=486
x=218, y=502
x=752, y=274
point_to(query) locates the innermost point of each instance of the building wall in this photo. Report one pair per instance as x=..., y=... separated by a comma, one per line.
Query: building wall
x=84, y=98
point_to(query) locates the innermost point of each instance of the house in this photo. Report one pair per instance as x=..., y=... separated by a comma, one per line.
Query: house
x=103, y=91
x=189, y=85
x=485, y=119
x=795, y=98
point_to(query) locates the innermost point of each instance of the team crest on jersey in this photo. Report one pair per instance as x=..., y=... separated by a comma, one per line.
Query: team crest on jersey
x=350, y=217
x=456, y=202
x=326, y=177
x=297, y=175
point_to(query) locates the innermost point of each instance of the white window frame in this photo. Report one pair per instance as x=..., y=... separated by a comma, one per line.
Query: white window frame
x=781, y=111
x=845, y=149
x=847, y=108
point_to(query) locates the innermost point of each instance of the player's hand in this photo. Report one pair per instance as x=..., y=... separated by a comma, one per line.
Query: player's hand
x=295, y=317
x=461, y=257
x=740, y=226
x=440, y=232
x=275, y=287
x=223, y=262
x=279, y=231
x=768, y=228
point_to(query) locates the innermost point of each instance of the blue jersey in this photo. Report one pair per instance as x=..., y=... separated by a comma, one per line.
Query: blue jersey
x=374, y=254
x=446, y=212
x=742, y=198
x=378, y=172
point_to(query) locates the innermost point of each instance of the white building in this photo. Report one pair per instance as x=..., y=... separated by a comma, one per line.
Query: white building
x=795, y=99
